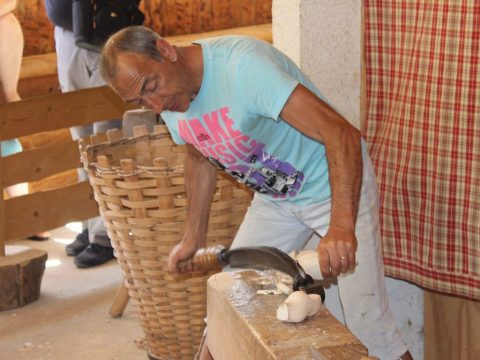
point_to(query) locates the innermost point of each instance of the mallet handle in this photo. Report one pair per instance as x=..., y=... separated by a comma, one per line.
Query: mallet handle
x=205, y=259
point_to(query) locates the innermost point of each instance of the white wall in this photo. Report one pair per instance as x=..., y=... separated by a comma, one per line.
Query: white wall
x=324, y=38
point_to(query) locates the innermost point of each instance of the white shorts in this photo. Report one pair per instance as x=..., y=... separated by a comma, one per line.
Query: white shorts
x=362, y=294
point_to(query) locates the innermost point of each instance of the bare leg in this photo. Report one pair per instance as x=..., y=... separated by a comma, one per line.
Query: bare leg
x=11, y=51
x=7, y=6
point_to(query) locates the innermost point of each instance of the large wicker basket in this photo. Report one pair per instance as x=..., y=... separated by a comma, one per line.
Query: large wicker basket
x=139, y=186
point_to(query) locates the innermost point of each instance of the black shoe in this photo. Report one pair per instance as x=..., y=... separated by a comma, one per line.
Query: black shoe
x=78, y=245
x=39, y=237
x=93, y=255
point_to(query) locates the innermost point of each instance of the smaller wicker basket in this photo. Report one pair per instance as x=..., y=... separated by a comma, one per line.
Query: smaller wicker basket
x=139, y=186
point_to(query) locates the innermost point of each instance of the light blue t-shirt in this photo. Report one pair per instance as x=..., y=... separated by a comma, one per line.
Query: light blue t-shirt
x=234, y=121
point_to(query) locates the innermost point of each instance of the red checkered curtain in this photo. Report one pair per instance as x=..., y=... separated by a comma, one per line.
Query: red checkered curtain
x=422, y=125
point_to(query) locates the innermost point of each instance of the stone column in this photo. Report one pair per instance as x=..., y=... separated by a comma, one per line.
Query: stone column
x=323, y=38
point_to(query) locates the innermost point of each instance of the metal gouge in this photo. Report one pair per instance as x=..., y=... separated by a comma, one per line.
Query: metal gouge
x=253, y=257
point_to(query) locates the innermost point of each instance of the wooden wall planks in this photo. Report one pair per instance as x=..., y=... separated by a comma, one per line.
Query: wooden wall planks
x=167, y=17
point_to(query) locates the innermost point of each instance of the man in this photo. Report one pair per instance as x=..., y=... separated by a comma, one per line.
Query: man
x=78, y=69
x=242, y=106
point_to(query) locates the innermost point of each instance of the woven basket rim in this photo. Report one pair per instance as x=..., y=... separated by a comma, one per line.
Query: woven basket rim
x=92, y=149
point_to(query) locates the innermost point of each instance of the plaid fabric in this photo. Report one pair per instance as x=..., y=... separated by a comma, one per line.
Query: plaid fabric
x=422, y=125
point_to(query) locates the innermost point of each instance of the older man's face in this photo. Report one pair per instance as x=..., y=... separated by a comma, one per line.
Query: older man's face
x=159, y=86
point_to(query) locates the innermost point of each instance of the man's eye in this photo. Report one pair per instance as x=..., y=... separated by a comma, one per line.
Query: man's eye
x=151, y=86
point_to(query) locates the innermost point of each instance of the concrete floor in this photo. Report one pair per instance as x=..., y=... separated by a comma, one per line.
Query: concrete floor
x=71, y=320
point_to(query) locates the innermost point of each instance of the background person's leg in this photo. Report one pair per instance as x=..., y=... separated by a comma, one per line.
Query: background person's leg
x=11, y=51
x=71, y=76
x=78, y=69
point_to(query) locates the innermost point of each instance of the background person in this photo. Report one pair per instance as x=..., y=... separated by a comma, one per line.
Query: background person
x=78, y=69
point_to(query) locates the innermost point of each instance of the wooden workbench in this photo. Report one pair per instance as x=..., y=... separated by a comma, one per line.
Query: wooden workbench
x=243, y=325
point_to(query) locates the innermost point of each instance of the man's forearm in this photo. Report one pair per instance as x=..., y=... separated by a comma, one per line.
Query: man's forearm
x=344, y=155
x=200, y=181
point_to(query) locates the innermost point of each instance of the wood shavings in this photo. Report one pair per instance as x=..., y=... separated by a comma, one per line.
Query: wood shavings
x=281, y=288
x=141, y=343
x=29, y=347
x=284, y=288
x=269, y=292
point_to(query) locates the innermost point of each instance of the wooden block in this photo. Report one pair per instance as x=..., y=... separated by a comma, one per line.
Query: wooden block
x=243, y=325
x=21, y=272
x=136, y=117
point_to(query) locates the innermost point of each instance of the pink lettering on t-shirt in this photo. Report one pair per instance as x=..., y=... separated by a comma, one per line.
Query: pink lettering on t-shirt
x=185, y=133
x=216, y=137
x=229, y=122
x=211, y=121
x=244, y=143
x=224, y=155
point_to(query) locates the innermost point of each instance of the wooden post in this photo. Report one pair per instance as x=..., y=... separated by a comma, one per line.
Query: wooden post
x=21, y=269
x=120, y=301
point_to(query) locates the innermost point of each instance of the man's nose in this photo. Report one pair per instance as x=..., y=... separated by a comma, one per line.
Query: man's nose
x=154, y=104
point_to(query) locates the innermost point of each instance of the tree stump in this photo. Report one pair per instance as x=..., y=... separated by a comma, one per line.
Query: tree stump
x=21, y=272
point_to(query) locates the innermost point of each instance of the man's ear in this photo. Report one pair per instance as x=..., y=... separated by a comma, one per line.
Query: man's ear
x=166, y=50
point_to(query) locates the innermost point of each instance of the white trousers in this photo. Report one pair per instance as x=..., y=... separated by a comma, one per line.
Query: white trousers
x=362, y=294
x=79, y=69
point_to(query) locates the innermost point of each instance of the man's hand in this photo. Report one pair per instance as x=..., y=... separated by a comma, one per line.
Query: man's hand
x=182, y=251
x=337, y=252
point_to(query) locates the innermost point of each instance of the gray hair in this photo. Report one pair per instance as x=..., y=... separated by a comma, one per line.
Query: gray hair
x=134, y=39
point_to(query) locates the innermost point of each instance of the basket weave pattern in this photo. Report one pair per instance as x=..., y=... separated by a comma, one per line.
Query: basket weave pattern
x=139, y=186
